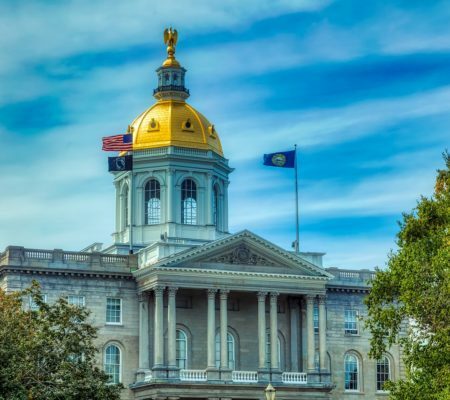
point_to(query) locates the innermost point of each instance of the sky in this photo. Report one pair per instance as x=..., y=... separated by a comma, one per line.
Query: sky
x=363, y=89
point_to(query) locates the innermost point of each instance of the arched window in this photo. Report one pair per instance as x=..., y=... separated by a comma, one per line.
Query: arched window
x=112, y=364
x=188, y=202
x=215, y=206
x=231, y=351
x=125, y=206
x=351, y=368
x=268, y=354
x=383, y=372
x=181, y=349
x=152, y=202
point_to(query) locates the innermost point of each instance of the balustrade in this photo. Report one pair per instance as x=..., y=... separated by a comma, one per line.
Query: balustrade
x=193, y=375
x=244, y=376
x=294, y=377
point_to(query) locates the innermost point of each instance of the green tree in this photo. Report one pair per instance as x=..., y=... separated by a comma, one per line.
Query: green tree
x=409, y=303
x=48, y=354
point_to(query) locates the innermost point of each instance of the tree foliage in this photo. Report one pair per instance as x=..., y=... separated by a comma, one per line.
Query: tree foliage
x=49, y=353
x=409, y=303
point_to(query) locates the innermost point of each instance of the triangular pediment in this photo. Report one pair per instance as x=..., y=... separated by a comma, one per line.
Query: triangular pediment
x=244, y=252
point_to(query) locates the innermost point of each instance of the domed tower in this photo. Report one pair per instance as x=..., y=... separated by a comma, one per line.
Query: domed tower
x=177, y=194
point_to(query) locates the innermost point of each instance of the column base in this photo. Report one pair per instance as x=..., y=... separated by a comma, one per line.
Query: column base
x=213, y=374
x=159, y=372
x=225, y=374
x=275, y=375
x=142, y=373
x=173, y=372
x=314, y=377
x=263, y=375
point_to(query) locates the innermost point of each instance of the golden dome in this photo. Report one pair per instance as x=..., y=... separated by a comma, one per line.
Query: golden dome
x=172, y=122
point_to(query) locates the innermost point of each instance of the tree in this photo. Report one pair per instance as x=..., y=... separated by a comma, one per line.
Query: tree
x=48, y=353
x=409, y=302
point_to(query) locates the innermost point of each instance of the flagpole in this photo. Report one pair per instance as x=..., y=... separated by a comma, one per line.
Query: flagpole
x=297, y=228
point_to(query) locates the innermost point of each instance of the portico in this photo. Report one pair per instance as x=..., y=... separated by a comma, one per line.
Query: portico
x=216, y=301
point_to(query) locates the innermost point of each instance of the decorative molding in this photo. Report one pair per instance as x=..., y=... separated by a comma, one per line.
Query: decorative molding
x=262, y=296
x=224, y=294
x=159, y=290
x=242, y=255
x=322, y=299
x=172, y=291
x=211, y=293
x=310, y=299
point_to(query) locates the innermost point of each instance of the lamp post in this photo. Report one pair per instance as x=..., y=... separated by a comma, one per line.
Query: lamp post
x=270, y=392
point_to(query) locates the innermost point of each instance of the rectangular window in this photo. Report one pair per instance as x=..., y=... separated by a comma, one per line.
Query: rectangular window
x=33, y=306
x=76, y=300
x=351, y=322
x=316, y=318
x=113, y=311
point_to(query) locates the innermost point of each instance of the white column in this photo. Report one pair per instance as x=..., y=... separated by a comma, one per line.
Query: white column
x=211, y=328
x=293, y=310
x=310, y=332
x=143, y=331
x=170, y=195
x=172, y=328
x=159, y=327
x=208, y=199
x=322, y=334
x=262, y=329
x=223, y=329
x=274, y=332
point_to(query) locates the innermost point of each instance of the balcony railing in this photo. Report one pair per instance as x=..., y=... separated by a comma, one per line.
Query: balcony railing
x=244, y=376
x=193, y=375
x=294, y=377
x=169, y=88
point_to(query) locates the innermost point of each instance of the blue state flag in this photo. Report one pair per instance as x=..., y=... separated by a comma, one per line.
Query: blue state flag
x=283, y=159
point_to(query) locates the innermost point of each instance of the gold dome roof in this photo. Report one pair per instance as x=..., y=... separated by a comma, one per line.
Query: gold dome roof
x=172, y=122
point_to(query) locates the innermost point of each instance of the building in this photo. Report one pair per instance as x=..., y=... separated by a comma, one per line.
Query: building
x=195, y=312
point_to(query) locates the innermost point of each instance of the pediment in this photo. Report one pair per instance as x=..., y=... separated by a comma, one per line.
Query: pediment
x=244, y=252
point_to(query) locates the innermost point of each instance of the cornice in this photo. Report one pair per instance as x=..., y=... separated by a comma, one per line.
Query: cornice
x=348, y=289
x=11, y=269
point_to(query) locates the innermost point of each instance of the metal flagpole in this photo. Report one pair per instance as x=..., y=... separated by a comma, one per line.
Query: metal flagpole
x=297, y=233
x=130, y=206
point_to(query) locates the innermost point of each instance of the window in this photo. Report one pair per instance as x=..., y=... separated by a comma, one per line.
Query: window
x=268, y=355
x=181, y=349
x=351, y=368
x=188, y=202
x=351, y=322
x=316, y=318
x=112, y=364
x=383, y=372
x=113, y=311
x=230, y=348
x=76, y=300
x=215, y=204
x=152, y=202
x=33, y=306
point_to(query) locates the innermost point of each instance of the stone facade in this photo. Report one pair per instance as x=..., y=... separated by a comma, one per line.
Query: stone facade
x=240, y=282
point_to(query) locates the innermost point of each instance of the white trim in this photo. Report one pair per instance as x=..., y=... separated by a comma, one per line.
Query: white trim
x=107, y=345
x=121, y=311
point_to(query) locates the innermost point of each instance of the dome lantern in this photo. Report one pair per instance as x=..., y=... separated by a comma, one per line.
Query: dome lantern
x=171, y=73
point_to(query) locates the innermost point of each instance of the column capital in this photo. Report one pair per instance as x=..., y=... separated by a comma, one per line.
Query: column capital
x=322, y=299
x=310, y=298
x=262, y=296
x=143, y=297
x=211, y=293
x=224, y=294
x=274, y=296
x=159, y=290
x=172, y=290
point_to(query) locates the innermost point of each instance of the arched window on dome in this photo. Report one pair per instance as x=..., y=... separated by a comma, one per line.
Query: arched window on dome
x=113, y=364
x=189, y=202
x=152, y=202
x=215, y=206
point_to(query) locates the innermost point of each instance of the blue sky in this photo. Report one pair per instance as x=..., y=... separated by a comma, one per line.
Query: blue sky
x=363, y=88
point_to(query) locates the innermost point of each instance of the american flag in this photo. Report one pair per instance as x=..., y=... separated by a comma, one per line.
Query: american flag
x=118, y=142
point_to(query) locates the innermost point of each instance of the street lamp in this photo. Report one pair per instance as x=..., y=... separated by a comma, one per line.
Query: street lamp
x=270, y=392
